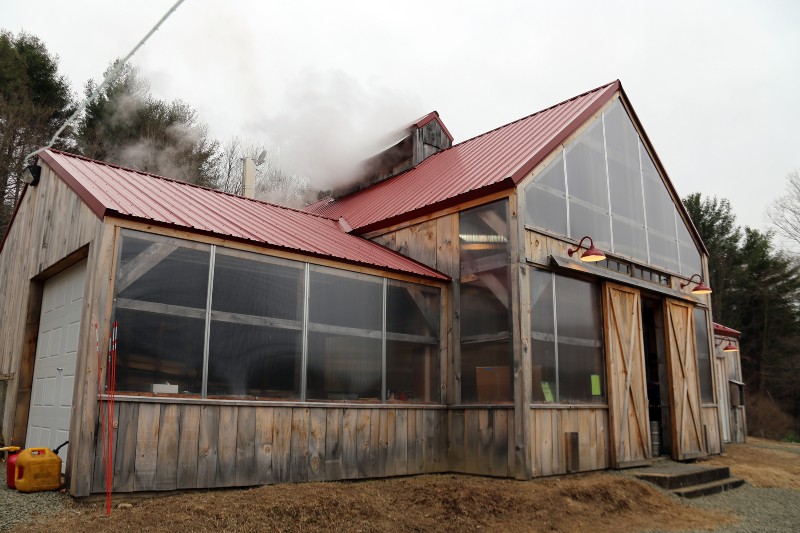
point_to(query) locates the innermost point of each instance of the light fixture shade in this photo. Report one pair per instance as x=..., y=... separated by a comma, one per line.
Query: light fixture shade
x=592, y=254
x=701, y=288
x=730, y=347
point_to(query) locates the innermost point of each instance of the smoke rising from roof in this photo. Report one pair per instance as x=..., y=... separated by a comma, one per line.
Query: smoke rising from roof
x=329, y=123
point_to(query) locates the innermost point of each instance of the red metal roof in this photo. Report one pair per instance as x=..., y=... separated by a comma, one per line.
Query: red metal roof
x=494, y=161
x=724, y=331
x=113, y=190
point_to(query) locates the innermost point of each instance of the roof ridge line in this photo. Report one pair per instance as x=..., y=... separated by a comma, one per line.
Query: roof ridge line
x=390, y=178
x=596, y=89
x=185, y=183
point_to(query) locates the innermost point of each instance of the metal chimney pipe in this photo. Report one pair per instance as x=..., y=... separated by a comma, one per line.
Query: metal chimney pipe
x=249, y=178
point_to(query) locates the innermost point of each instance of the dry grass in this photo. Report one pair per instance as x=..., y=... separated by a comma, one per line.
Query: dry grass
x=598, y=502
x=763, y=463
x=593, y=502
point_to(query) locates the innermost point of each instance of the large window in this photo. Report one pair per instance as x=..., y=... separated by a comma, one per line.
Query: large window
x=605, y=184
x=703, y=355
x=566, y=340
x=485, y=304
x=220, y=323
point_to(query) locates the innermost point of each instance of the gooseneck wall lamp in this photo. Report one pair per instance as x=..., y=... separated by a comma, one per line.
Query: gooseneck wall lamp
x=591, y=254
x=700, y=288
x=730, y=347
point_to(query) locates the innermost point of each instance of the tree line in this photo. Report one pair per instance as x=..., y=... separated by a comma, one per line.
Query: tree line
x=125, y=125
x=757, y=291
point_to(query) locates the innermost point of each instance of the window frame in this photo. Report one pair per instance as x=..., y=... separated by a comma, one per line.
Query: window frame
x=305, y=326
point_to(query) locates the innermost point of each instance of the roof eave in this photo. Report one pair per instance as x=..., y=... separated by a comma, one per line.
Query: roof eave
x=91, y=201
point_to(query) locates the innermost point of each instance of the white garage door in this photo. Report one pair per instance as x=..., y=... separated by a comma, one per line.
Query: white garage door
x=56, y=355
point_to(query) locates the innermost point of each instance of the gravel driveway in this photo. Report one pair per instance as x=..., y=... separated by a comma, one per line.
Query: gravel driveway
x=20, y=507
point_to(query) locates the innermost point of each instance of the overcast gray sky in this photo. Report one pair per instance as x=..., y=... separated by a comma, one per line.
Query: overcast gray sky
x=715, y=84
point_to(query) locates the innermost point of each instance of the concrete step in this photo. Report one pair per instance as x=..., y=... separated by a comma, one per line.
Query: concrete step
x=713, y=487
x=677, y=475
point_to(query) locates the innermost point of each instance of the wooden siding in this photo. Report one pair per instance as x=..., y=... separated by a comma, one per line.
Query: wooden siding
x=711, y=429
x=481, y=441
x=549, y=441
x=51, y=231
x=167, y=446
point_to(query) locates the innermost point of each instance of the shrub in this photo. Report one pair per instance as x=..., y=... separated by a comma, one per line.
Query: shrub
x=765, y=418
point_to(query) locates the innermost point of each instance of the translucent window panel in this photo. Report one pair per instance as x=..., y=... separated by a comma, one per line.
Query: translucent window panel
x=663, y=252
x=580, y=373
x=586, y=167
x=587, y=220
x=159, y=348
x=412, y=372
x=484, y=309
x=486, y=372
x=690, y=256
x=412, y=309
x=345, y=300
x=545, y=199
x=259, y=286
x=703, y=356
x=160, y=304
x=343, y=367
x=580, y=340
x=552, y=177
x=546, y=210
x=624, y=176
x=543, y=342
x=483, y=233
x=658, y=202
x=163, y=270
x=412, y=347
x=630, y=239
x=254, y=361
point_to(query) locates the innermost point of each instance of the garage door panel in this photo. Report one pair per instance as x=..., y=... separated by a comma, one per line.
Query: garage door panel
x=66, y=391
x=56, y=357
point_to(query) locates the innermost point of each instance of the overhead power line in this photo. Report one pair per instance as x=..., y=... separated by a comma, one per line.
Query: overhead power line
x=108, y=79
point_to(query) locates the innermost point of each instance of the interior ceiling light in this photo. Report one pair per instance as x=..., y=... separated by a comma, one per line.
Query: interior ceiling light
x=591, y=254
x=700, y=288
x=730, y=347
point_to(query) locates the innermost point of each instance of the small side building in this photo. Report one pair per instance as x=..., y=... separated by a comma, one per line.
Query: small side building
x=433, y=319
x=728, y=370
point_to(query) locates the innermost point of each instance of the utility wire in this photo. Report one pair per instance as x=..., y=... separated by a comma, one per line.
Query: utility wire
x=111, y=76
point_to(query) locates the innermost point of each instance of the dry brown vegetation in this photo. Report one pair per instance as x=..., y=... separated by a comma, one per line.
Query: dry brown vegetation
x=763, y=463
x=599, y=502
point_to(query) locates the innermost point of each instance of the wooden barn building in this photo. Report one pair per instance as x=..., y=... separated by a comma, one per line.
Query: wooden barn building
x=433, y=318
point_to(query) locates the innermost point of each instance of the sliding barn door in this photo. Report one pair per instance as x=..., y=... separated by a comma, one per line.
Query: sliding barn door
x=627, y=387
x=687, y=425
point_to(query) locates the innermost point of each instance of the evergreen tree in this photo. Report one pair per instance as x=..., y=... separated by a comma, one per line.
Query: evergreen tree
x=34, y=102
x=716, y=223
x=126, y=125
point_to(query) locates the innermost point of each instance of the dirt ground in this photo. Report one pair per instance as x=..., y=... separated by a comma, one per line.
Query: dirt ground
x=598, y=502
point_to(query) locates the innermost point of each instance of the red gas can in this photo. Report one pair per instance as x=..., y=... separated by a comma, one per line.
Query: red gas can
x=11, y=467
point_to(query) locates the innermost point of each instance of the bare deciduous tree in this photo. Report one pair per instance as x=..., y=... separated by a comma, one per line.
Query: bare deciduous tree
x=274, y=183
x=784, y=212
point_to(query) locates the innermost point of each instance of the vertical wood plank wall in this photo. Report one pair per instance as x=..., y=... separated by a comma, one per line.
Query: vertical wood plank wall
x=549, y=442
x=481, y=441
x=181, y=446
x=713, y=434
x=50, y=232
